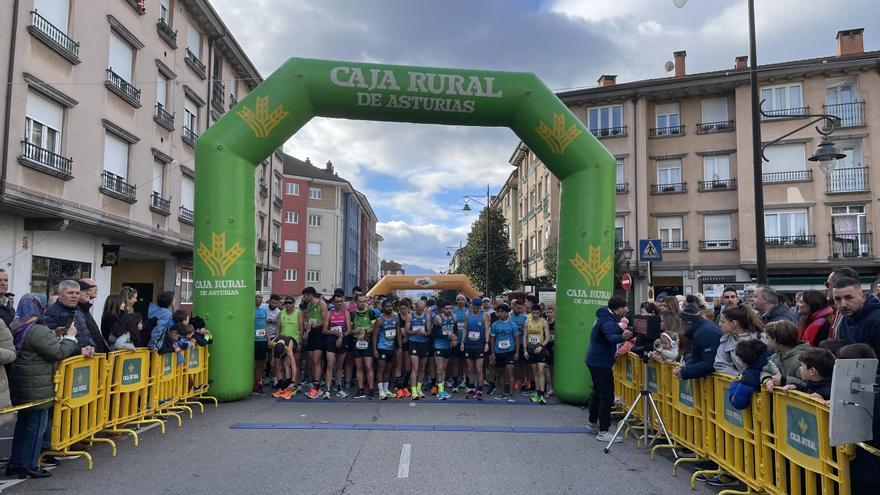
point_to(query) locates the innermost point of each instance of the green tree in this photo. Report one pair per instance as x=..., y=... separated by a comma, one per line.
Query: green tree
x=504, y=271
x=550, y=260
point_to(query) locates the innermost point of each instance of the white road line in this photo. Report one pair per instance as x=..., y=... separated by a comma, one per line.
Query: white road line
x=403, y=468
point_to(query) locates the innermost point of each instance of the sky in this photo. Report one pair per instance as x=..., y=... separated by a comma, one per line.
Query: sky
x=414, y=175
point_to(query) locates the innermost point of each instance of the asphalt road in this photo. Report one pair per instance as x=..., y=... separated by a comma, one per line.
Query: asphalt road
x=259, y=446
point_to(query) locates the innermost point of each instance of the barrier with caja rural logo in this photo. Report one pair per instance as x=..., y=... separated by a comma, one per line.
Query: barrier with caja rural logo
x=779, y=444
x=128, y=392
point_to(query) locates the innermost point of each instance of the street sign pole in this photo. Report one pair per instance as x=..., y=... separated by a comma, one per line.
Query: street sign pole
x=650, y=250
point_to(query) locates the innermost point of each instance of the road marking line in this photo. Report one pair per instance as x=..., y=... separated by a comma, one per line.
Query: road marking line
x=412, y=404
x=403, y=468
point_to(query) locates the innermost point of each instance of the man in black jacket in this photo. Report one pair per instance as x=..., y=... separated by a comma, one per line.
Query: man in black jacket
x=704, y=337
x=88, y=290
x=860, y=313
x=7, y=311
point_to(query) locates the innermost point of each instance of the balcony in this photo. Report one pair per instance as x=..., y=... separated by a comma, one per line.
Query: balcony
x=847, y=180
x=116, y=84
x=718, y=245
x=218, y=95
x=54, y=38
x=167, y=34
x=850, y=114
x=661, y=132
x=713, y=127
x=159, y=205
x=163, y=118
x=618, y=245
x=622, y=188
x=195, y=64
x=604, y=132
x=276, y=249
x=790, y=241
x=232, y=100
x=276, y=200
x=115, y=186
x=261, y=244
x=186, y=215
x=790, y=176
x=264, y=190
x=716, y=185
x=189, y=137
x=669, y=188
x=43, y=160
x=785, y=113
x=675, y=245
x=850, y=245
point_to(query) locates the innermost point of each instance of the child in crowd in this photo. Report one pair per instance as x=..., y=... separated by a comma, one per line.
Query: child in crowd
x=665, y=348
x=202, y=335
x=125, y=333
x=754, y=355
x=625, y=347
x=832, y=345
x=816, y=368
x=175, y=341
x=782, y=338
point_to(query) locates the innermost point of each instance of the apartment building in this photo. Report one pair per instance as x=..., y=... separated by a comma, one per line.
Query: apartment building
x=391, y=267
x=684, y=168
x=105, y=104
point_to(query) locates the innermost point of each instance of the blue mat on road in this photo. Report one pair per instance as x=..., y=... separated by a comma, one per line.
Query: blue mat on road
x=524, y=402
x=393, y=427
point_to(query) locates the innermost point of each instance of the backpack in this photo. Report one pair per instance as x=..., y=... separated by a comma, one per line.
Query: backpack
x=143, y=337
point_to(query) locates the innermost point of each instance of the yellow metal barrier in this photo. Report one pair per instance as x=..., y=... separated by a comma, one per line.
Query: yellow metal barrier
x=80, y=406
x=128, y=392
x=164, y=387
x=196, y=371
x=688, y=403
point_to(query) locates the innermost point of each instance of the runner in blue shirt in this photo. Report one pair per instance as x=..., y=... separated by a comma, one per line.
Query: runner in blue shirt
x=386, y=340
x=418, y=346
x=475, y=346
x=520, y=374
x=504, y=337
x=444, y=339
x=457, y=364
x=261, y=344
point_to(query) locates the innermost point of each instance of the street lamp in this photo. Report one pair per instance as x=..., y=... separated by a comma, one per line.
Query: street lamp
x=467, y=207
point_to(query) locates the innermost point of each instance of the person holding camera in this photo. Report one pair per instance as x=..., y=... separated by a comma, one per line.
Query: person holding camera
x=605, y=337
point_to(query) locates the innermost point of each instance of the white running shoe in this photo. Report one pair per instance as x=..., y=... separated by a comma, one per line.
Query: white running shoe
x=592, y=428
x=606, y=436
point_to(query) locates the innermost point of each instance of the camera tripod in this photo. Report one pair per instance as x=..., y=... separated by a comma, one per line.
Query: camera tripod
x=648, y=405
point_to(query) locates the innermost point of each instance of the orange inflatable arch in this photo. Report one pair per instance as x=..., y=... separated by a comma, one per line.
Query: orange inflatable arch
x=391, y=283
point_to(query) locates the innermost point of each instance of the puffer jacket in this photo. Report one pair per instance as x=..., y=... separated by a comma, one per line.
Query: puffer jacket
x=30, y=375
x=7, y=355
x=777, y=313
x=787, y=363
x=704, y=336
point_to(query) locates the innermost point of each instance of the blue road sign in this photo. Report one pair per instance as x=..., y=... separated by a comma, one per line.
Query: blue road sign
x=650, y=250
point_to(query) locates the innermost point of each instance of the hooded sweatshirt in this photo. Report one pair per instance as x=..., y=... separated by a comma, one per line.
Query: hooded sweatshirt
x=863, y=327
x=604, y=339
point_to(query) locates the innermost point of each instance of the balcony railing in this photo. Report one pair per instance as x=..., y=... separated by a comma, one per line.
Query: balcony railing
x=276, y=249
x=218, y=95
x=848, y=180
x=618, y=245
x=264, y=190
x=115, y=185
x=790, y=176
x=166, y=33
x=189, y=137
x=675, y=130
x=195, y=64
x=262, y=244
x=186, y=215
x=618, y=131
x=232, y=101
x=850, y=245
x=55, y=38
x=675, y=245
x=712, y=127
x=716, y=185
x=669, y=188
x=728, y=244
x=160, y=205
x=622, y=187
x=785, y=241
x=45, y=161
x=785, y=113
x=276, y=200
x=123, y=89
x=163, y=118
x=851, y=114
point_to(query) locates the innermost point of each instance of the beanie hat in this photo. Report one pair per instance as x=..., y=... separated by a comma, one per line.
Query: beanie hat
x=690, y=313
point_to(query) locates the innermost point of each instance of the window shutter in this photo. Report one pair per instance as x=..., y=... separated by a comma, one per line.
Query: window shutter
x=667, y=109
x=187, y=193
x=785, y=158
x=717, y=227
x=44, y=111
x=120, y=57
x=158, y=173
x=669, y=223
x=115, y=155
x=193, y=39
x=714, y=110
x=54, y=11
x=162, y=91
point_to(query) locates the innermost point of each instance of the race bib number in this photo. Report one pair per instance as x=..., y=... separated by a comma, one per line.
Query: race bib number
x=361, y=345
x=336, y=329
x=260, y=333
x=474, y=335
x=534, y=339
x=419, y=329
x=390, y=334
x=504, y=345
x=313, y=322
x=447, y=331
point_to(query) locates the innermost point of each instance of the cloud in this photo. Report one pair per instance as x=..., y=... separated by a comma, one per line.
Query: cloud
x=423, y=244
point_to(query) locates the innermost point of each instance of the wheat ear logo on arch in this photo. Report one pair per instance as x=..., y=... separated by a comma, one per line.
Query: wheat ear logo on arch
x=218, y=258
x=594, y=269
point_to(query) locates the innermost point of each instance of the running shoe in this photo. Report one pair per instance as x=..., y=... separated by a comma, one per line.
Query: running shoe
x=471, y=395
x=511, y=399
x=326, y=395
x=313, y=394
x=542, y=400
x=406, y=393
x=722, y=480
x=491, y=389
x=516, y=385
x=454, y=389
x=592, y=427
x=501, y=397
x=535, y=398
x=479, y=395
x=526, y=393
x=399, y=394
x=443, y=395
x=415, y=396
x=607, y=436
x=287, y=394
x=360, y=394
x=278, y=393
x=341, y=394
x=434, y=390
x=370, y=395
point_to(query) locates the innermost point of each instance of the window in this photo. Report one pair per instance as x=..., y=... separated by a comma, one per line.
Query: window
x=115, y=155
x=43, y=123
x=276, y=187
x=849, y=219
x=314, y=193
x=292, y=188
x=193, y=39
x=165, y=11
x=162, y=91
x=47, y=273
x=669, y=229
x=187, y=193
x=785, y=158
x=290, y=274
x=786, y=223
x=848, y=176
x=716, y=228
x=186, y=286
x=605, y=121
x=54, y=11
x=540, y=241
x=291, y=246
x=534, y=244
x=716, y=168
x=842, y=100
x=714, y=110
x=158, y=177
x=783, y=98
x=667, y=116
x=313, y=276
x=533, y=198
x=190, y=115
x=314, y=220
x=292, y=217
x=668, y=172
x=276, y=231
x=619, y=229
x=620, y=179
x=121, y=57
x=315, y=248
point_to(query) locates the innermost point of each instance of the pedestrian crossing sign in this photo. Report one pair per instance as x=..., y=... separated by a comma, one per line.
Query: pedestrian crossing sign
x=650, y=250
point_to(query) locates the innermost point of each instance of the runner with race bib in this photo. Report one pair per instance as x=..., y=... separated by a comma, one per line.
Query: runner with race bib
x=505, y=345
x=445, y=339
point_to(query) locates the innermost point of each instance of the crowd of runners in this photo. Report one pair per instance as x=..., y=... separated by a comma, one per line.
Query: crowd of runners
x=383, y=347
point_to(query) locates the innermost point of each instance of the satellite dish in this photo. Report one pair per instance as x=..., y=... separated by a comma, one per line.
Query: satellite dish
x=669, y=66
x=679, y=3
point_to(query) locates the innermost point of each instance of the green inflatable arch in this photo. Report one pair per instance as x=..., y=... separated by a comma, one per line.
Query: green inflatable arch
x=228, y=152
